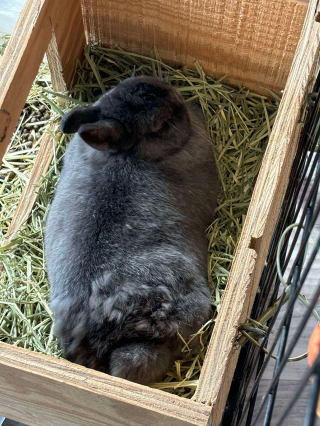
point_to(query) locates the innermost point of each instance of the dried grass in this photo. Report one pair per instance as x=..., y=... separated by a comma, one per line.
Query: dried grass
x=239, y=123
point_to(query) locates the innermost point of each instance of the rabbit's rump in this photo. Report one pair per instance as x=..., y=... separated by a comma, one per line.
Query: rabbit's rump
x=129, y=329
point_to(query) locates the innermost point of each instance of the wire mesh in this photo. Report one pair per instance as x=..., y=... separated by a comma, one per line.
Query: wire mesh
x=267, y=391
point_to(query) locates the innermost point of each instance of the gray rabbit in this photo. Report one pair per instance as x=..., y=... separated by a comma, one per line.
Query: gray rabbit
x=125, y=242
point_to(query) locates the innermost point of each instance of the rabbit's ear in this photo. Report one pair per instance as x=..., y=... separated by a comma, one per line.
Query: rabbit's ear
x=105, y=134
x=72, y=121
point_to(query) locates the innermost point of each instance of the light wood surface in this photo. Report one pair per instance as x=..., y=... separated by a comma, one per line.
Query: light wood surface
x=68, y=36
x=221, y=358
x=43, y=391
x=45, y=154
x=30, y=191
x=65, y=46
x=27, y=46
x=253, y=41
x=56, y=68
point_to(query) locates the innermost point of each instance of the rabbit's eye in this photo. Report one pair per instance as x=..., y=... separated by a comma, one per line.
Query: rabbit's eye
x=149, y=96
x=165, y=126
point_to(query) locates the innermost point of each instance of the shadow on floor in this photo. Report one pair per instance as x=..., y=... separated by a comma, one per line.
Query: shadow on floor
x=9, y=422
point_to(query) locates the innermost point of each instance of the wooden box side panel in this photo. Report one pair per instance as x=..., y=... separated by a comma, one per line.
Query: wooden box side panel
x=253, y=41
x=218, y=369
x=43, y=391
x=38, y=21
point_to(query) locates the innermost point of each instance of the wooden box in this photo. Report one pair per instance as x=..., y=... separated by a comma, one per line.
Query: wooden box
x=269, y=43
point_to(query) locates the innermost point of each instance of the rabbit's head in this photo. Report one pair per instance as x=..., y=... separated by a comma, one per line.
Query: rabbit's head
x=141, y=112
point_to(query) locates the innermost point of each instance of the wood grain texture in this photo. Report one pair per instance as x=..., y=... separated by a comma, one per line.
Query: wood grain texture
x=44, y=391
x=45, y=154
x=253, y=41
x=55, y=65
x=30, y=192
x=247, y=266
x=70, y=39
x=25, y=51
x=68, y=50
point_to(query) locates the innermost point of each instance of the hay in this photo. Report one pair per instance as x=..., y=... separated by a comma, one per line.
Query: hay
x=239, y=123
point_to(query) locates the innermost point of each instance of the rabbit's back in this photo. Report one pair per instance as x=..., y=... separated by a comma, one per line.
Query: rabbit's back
x=119, y=263
x=107, y=215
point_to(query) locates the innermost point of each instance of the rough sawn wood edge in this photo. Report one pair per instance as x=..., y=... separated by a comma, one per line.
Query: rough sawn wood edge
x=219, y=366
x=44, y=391
x=19, y=65
x=47, y=146
x=64, y=47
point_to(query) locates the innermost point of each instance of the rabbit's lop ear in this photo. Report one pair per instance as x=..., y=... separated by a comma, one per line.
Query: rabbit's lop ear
x=104, y=134
x=72, y=121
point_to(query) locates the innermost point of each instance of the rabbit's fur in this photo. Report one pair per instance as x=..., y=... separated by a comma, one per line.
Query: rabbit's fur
x=125, y=238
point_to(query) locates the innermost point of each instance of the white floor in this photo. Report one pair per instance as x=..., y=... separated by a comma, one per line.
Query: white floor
x=9, y=14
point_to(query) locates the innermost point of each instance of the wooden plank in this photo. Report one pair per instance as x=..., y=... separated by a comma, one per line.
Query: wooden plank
x=218, y=369
x=29, y=194
x=44, y=391
x=69, y=38
x=45, y=154
x=253, y=41
x=66, y=45
x=55, y=65
x=58, y=72
x=25, y=51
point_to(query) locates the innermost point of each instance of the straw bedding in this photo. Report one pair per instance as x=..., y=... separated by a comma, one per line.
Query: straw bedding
x=239, y=123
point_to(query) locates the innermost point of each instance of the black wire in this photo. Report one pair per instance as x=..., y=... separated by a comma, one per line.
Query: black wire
x=294, y=338
x=286, y=326
x=312, y=193
x=289, y=307
x=253, y=360
x=300, y=388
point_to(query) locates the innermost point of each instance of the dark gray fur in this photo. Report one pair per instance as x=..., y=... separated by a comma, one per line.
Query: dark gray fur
x=125, y=238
